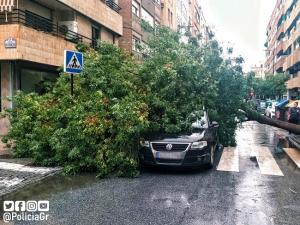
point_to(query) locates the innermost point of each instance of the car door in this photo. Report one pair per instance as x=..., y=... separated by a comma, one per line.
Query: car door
x=211, y=131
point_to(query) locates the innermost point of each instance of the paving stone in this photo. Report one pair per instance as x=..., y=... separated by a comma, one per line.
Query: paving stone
x=14, y=176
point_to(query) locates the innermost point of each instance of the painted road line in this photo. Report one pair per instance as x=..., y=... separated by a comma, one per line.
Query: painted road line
x=266, y=161
x=22, y=168
x=229, y=160
x=294, y=154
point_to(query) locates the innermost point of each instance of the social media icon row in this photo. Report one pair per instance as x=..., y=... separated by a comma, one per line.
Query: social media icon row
x=29, y=206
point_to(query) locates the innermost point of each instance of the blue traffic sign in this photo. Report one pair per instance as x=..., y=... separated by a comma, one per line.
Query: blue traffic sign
x=73, y=62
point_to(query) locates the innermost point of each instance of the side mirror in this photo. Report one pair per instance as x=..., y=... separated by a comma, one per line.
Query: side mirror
x=214, y=124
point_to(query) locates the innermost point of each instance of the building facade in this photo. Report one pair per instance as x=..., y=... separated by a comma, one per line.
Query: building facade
x=179, y=15
x=259, y=70
x=168, y=14
x=190, y=19
x=283, y=43
x=133, y=13
x=198, y=25
x=35, y=33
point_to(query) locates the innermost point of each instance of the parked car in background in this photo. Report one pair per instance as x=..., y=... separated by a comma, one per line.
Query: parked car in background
x=263, y=105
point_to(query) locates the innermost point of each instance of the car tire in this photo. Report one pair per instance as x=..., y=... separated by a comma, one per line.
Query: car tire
x=210, y=164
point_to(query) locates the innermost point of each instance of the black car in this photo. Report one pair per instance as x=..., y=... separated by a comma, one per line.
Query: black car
x=193, y=149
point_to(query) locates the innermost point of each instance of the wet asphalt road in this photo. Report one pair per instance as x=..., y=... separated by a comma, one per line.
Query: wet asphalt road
x=180, y=197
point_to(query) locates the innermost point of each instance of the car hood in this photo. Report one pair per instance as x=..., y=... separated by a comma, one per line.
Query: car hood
x=188, y=138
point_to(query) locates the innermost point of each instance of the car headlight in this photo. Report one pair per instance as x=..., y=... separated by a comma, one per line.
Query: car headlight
x=198, y=145
x=144, y=143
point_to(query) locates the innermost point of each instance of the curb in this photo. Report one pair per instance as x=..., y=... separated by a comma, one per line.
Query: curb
x=293, y=140
x=9, y=190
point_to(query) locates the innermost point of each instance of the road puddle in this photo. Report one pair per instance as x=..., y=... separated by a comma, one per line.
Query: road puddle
x=58, y=183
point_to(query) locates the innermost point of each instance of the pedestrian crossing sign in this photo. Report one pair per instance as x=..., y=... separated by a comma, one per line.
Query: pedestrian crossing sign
x=73, y=62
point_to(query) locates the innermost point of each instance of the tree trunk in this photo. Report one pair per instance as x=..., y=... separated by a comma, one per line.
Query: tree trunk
x=252, y=115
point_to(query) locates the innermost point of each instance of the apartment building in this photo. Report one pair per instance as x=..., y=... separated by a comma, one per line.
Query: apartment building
x=199, y=27
x=133, y=13
x=168, y=14
x=35, y=33
x=283, y=43
x=179, y=15
x=259, y=70
x=190, y=18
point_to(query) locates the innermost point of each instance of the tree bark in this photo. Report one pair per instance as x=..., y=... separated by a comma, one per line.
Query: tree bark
x=252, y=115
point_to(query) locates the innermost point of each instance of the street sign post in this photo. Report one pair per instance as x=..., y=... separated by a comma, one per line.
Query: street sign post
x=73, y=63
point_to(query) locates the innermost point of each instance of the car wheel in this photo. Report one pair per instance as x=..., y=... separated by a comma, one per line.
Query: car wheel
x=211, y=158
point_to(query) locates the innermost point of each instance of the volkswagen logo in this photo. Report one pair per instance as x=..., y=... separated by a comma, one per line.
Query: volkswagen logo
x=169, y=147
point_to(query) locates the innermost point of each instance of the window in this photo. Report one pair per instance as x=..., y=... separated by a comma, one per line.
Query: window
x=95, y=35
x=136, y=8
x=135, y=43
x=147, y=17
x=170, y=17
x=146, y=49
x=289, y=50
x=35, y=81
x=297, y=43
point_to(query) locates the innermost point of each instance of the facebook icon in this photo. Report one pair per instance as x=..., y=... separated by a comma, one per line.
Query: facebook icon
x=20, y=206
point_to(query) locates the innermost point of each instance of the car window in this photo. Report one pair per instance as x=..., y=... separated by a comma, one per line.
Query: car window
x=200, y=120
x=201, y=123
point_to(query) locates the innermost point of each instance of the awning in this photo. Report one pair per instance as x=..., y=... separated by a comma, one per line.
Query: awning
x=291, y=103
x=282, y=103
x=6, y=5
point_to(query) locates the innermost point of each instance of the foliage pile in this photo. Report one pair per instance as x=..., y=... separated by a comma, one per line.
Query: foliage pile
x=182, y=78
x=116, y=100
x=96, y=129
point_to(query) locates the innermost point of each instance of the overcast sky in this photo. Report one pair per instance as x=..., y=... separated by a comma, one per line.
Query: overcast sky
x=242, y=23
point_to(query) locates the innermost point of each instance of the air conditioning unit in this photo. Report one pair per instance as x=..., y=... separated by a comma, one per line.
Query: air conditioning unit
x=68, y=28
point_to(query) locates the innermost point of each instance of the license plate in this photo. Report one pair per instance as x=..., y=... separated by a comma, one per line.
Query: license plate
x=168, y=155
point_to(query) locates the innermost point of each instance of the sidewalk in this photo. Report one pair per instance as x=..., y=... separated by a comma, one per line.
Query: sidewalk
x=16, y=173
x=293, y=150
x=295, y=140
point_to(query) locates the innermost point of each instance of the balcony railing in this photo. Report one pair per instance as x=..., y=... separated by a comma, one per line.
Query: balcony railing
x=40, y=23
x=111, y=4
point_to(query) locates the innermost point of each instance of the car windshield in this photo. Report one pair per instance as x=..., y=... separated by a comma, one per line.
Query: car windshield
x=199, y=120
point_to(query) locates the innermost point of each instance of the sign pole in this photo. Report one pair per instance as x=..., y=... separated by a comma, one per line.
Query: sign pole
x=72, y=84
x=73, y=64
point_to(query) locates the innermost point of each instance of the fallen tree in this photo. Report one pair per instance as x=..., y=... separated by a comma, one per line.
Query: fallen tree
x=117, y=100
x=252, y=115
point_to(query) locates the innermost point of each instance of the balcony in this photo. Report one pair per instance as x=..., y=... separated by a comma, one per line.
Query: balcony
x=104, y=12
x=37, y=39
x=293, y=15
x=280, y=47
x=40, y=23
x=280, y=32
x=293, y=83
x=292, y=59
x=279, y=64
x=33, y=45
x=111, y=4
